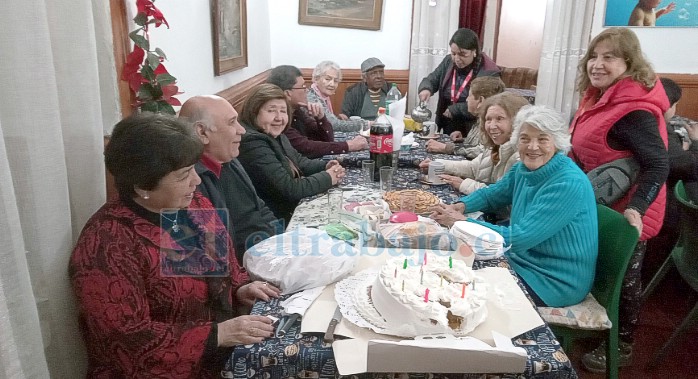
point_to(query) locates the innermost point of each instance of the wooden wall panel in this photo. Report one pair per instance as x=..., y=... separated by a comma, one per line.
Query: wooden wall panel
x=688, y=105
x=237, y=94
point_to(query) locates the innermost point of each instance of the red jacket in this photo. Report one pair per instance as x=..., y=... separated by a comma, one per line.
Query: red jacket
x=592, y=123
x=140, y=320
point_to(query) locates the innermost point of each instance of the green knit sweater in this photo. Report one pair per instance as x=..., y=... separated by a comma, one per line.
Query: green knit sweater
x=553, y=234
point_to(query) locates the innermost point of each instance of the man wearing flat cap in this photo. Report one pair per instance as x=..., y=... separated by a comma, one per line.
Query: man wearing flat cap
x=363, y=99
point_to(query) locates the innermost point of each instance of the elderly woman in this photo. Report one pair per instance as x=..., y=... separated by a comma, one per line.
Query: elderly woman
x=326, y=77
x=452, y=79
x=481, y=89
x=281, y=175
x=496, y=119
x=553, y=234
x=621, y=114
x=154, y=270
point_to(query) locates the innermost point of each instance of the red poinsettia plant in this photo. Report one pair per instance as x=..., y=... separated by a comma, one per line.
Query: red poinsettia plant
x=147, y=77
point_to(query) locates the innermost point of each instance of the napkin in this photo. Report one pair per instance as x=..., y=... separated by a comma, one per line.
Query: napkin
x=397, y=120
x=408, y=139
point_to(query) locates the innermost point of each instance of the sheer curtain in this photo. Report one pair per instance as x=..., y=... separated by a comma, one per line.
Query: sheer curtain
x=433, y=23
x=58, y=88
x=565, y=39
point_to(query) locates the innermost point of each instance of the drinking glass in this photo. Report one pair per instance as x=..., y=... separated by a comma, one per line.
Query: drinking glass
x=408, y=201
x=386, y=176
x=368, y=167
x=334, y=202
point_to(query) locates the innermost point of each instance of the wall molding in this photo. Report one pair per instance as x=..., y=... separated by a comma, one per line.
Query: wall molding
x=237, y=93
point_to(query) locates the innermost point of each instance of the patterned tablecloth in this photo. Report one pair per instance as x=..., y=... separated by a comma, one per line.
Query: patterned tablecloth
x=306, y=356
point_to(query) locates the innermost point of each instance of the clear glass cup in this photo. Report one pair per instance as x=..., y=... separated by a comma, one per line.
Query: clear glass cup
x=368, y=167
x=408, y=201
x=334, y=202
x=386, y=178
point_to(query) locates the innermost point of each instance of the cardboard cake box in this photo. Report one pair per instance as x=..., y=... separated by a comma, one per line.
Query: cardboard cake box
x=488, y=349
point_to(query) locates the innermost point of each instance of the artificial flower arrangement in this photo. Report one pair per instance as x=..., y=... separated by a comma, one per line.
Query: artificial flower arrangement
x=147, y=77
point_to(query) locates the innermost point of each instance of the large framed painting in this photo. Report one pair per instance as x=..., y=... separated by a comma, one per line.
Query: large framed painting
x=229, y=26
x=356, y=14
x=652, y=13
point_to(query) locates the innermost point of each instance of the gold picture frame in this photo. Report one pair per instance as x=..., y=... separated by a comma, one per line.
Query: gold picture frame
x=229, y=27
x=354, y=14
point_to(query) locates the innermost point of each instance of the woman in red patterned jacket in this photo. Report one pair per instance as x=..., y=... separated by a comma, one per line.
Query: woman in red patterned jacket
x=154, y=271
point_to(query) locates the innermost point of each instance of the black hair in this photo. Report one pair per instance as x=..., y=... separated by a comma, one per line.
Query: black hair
x=145, y=147
x=466, y=39
x=673, y=91
x=284, y=76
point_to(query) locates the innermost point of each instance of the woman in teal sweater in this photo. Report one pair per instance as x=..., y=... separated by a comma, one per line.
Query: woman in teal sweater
x=553, y=233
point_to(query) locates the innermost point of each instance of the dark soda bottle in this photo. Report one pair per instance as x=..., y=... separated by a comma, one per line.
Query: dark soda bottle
x=381, y=143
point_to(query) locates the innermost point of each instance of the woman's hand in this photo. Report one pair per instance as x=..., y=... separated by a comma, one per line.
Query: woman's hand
x=424, y=164
x=250, y=292
x=336, y=171
x=434, y=146
x=447, y=215
x=454, y=181
x=424, y=95
x=244, y=330
x=358, y=143
x=456, y=136
x=342, y=116
x=314, y=109
x=634, y=218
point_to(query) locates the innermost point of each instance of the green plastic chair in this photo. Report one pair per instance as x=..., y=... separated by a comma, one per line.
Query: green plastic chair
x=617, y=240
x=684, y=257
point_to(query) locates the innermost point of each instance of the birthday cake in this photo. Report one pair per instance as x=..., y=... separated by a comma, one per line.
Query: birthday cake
x=441, y=296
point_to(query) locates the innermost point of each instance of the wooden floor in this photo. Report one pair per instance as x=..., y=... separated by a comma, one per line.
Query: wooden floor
x=661, y=314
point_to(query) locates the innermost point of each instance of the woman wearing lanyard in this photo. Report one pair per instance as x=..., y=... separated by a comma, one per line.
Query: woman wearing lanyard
x=452, y=78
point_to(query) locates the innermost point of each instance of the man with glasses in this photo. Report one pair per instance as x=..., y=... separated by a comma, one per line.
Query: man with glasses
x=363, y=99
x=310, y=132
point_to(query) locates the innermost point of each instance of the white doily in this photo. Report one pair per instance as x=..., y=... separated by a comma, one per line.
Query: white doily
x=352, y=293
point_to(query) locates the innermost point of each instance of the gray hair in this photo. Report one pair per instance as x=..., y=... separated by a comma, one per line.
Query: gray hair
x=323, y=67
x=546, y=120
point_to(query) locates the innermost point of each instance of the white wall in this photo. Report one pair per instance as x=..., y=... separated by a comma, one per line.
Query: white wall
x=306, y=46
x=521, y=33
x=671, y=50
x=189, y=47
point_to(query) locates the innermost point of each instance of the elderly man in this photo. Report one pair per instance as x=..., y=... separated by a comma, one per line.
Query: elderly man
x=223, y=180
x=363, y=99
x=310, y=132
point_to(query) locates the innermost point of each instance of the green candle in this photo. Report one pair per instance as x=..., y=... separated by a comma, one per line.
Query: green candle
x=450, y=262
x=404, y=265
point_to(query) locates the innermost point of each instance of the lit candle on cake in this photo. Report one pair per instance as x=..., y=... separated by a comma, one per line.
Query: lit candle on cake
x=426, y=295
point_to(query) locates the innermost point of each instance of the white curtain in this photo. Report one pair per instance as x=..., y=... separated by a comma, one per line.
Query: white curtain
x=433, y=24
x=58, y=89
x=565, y=39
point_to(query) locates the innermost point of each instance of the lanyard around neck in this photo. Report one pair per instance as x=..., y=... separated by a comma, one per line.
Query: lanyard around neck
x=455, y=96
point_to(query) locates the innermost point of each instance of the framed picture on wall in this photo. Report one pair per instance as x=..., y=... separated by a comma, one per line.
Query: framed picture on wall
x=229, y=26
x=356, y=14
x=652, y=13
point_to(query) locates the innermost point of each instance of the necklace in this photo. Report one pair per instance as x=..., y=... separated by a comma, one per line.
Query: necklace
x=175, y=226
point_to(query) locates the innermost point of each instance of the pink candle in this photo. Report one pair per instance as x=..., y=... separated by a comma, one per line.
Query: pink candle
x=425, y=258
x=462, y=294
x=426, y=295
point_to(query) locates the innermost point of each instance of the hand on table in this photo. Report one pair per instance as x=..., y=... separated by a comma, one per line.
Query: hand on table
x=424, y=95
x=250, y=292
x=447, y=215
x=454, y=181
x=335, y=170
x=244, y=330
x=434, y=146
x=424, y=164
x=456, y=136
x=358, y=143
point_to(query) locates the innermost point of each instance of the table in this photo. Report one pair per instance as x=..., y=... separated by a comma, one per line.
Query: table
x=306, y=356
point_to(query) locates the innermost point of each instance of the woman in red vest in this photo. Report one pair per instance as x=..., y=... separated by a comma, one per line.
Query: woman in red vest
x=621, y=114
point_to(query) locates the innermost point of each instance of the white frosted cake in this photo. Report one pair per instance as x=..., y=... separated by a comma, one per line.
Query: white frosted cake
x=455, y=303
